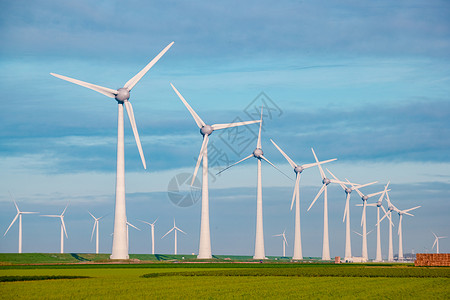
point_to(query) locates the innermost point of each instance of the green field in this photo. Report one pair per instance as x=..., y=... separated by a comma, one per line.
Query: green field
x=175, y=280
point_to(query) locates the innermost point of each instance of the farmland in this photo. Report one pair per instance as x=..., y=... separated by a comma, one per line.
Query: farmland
x=221, y=280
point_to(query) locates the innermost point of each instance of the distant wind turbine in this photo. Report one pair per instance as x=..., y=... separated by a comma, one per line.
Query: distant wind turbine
x=175, y=229
x=436, y=242
x=63, y=226
x=122, y=95
x=128, y=225
x=400, y=233
x=18, y=215
x=298, y=169
x=259, y=155
x=152, y=225
x=96, y=221
x=204, y=251
x=284, y=241
x=388, y=214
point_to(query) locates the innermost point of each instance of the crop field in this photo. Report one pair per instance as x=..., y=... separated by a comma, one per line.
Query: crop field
x=221, y=280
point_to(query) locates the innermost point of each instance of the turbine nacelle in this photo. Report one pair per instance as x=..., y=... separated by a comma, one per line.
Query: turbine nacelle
x=326, y=181
x=207, y=129
x=379, y=203
x=258, y=153
x=348, y=190
x=122, y=95
x=364, y=198
x=391, y=207
x=298, y=169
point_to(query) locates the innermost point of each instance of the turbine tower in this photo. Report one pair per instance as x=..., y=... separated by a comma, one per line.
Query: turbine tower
x=298, y=169
x=19, y=215
x=122, y=95
x=436, y=242
x=152, y=225
x=258, y=154
x=325, y=182
x=364, y=198
x=284, y=241
x=175, y=229
x=204, y=251
x=346, y=219
x=93, y=229
x=63, y=226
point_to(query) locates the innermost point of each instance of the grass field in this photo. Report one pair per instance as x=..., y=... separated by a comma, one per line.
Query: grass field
x=224, y=280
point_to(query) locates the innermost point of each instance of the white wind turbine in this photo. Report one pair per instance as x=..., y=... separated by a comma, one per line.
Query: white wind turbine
x=204, y=251
x=298, y=169
x=284, y=241
x=346, y=219
x=128, y=225
x=93, y=229
x=175, y=229
x=258, y=154
x=364, y=198
x=400, y=236
x=122, y=95
x=388, y=214
x=63, y=226
x=436, y=242
x=152, y=225
x=378, y=205
x=325, y=182
x=19, y=215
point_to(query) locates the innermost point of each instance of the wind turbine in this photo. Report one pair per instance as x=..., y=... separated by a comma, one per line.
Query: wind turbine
x=258, y=154
x=436, y=242
x=388, y=214
x=325, y=181
x=284, y=241
x=19, y=215
x=152, y=225
x=93, y=229
x=346, y=219
x=378, y=205
x=298, y=169
x=400, y=236
x=364, y=198
x=63, y=226
x=204, y=251
x=174, y=228
x=122, y=95
x=128, y=225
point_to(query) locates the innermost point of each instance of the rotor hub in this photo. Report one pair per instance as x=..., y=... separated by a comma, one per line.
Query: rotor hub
x=298, y=169
x=379, y=203
x=122, y=95
x=258, y=153
x=348, y=191
x=326, y=181
x=207, y=129
x=364, y=198
x=391, y=208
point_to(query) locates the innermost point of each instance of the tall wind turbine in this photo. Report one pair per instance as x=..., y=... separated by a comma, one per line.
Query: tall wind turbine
x=93, y=229
x=388, y=214
x=298, y=169
x=63, y=226
x=152, y=225
x=400, y=236
x=19, y=215
x=122, y=95
x=258, y=154
x=175, y=229
x=364, y=198
x=204, y=251
x=325, y=182
x=284, y=241
x=378, y=204
x=128, y=225
x=346, y=219
x=436, y=241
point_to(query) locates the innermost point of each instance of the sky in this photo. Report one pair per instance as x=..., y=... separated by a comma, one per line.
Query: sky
x=367, y=83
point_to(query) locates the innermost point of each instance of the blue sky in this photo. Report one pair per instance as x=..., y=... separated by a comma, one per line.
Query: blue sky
x=367, y=83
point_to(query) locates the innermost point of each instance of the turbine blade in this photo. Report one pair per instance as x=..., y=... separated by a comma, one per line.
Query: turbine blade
x=103, y=90
x=358, y=233
x=317, y=196
x=132, y=82
x=347, y=200
x=343, y=186
x=363, y=185
x=145, y=222
x=230, y=125
x=322, y=173
x=64, y=211
x=51, y=216
x=297, y=182
x=168, y=232
x=130, y=112
x=155, y=221
x=364, y=213
x=180, y=230
x=306, y=166
x=355, y=188
x=264, y=158
x=64, y=226
x=14, y=220
x=434, y=244
x=197, y=119
x=411, y=208
x=258, y=144
x=93, y=229
x=290, y=161
x=374, y=194
x=245, y=158
x=200, y=156
x=129, y=224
